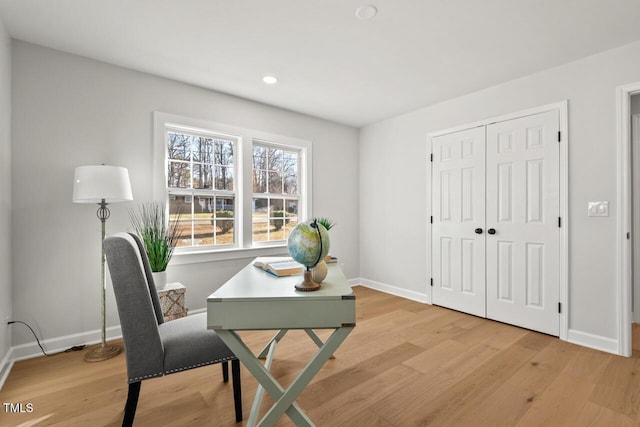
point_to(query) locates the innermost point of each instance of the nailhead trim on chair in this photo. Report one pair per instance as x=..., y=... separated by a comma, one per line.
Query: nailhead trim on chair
x=199, y=365
x=135, y=380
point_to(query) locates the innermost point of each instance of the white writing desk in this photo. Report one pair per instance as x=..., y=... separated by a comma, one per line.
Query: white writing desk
x=256, y=300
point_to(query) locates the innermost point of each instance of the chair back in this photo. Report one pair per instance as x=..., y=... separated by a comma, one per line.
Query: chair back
x=138, y=305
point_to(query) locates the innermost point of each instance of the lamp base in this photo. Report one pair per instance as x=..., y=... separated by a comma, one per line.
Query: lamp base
x=100, y=353
x=308, y=285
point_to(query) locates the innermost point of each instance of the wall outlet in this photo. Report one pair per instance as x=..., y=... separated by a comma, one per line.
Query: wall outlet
x=598, y=209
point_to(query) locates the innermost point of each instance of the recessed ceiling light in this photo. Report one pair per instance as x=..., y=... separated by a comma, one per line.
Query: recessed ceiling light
x=270, y=80
x=366, y=11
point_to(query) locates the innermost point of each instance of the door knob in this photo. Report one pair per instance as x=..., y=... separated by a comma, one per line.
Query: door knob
x=491, y=231
x=478, y=230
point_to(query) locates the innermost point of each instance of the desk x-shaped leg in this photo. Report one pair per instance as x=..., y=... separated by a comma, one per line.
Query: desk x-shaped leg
x=315, y=338
x=284, y=399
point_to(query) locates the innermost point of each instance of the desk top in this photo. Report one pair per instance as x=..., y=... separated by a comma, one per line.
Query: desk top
x=254, y=283
x=254, y=299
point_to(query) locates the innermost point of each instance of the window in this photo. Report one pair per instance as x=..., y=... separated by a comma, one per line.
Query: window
x=200, y=186
x=275, y=192
x=230, y=188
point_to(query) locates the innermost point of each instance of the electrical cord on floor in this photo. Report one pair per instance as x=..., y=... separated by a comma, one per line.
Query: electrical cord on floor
x=74, y=348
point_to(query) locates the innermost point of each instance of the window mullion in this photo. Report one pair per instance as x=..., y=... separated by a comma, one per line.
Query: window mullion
x=246, y=212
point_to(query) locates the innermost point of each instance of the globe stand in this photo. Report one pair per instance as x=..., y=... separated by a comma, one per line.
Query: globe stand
x=308, y=285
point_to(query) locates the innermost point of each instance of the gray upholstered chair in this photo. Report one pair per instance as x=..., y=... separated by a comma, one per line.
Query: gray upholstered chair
x=154, y=348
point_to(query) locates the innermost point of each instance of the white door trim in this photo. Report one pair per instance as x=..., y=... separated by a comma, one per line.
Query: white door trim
x=635, y=162
x=562, y=107
x=625, y=200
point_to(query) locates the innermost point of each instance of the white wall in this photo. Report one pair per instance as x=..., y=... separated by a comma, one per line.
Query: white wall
x=5, y=192
x=393, y=180
x=70, y=111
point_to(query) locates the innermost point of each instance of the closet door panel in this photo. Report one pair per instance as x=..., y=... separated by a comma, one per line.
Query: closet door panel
x=458, y=198
x=522, y=206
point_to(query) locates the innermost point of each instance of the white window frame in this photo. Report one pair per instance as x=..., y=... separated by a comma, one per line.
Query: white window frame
x=244, y=247
x=191, y=193
x=299, y=197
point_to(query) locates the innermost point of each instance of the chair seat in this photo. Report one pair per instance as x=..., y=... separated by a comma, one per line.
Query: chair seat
x=189, y=344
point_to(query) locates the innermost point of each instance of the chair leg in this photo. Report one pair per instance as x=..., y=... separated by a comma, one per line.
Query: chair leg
x=237, y=389
x=225, y=372
x=132, y=404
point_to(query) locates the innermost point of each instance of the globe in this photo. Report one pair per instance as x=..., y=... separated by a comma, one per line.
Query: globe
x=308, y=243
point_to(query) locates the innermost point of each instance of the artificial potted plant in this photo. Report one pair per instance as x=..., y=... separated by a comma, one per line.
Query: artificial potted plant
x=158, y=236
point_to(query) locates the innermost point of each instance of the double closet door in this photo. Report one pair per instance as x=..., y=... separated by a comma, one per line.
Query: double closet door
x=495, y=233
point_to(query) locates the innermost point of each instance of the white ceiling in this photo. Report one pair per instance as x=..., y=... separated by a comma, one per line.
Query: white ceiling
x=330, y=64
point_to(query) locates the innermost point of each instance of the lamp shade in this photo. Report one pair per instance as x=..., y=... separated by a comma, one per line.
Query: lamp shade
x=92, y=184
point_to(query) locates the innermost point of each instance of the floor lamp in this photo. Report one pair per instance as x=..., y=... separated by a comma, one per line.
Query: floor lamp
x=101, y=184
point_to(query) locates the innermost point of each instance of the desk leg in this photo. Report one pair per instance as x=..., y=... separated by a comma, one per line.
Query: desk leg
x=276, y=338
x=316, y=339
x=286, y=399
x=264, y=377
x=282, y=333
x=257, y=401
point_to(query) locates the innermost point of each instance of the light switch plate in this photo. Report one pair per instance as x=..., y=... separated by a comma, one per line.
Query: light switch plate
x=598, y=209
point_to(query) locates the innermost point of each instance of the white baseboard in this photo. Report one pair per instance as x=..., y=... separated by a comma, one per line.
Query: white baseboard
x=51, y=346
x=54, y=345
x=596, y=342
x=393, y=290
x=583, y=339
x=58, y=344
x=5, y=368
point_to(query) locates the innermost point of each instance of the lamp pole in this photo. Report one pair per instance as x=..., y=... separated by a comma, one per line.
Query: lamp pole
x=104, y=352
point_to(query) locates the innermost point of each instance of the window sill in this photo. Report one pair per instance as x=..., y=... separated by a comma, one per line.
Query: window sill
x=195, y=257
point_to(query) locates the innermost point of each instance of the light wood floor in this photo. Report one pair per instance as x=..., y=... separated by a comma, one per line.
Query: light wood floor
x=405, y=364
